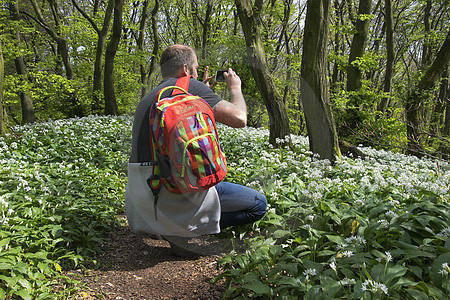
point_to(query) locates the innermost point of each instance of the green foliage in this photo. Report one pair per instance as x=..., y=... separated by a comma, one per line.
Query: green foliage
x=361, y=229
x=61, y=187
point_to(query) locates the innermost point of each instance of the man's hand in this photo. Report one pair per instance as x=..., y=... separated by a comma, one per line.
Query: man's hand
x=234, y=112
x=207, y=79
x=232, y=80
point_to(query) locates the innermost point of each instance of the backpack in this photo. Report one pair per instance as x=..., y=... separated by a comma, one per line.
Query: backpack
x=186, y=154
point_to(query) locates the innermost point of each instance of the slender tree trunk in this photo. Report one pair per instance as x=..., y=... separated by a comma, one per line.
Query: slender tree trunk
x=111, y=107
x=148, y=75
x=2, y=76
x=101, y=39
x=390, y=54
x=63, y=50
x=278, y=119
x=28, y=114
x=414, y=100
x=314, y=88
x=335, y=78
x=206, y=26
x=426, y=53
x=358, y=45
x=98, y=65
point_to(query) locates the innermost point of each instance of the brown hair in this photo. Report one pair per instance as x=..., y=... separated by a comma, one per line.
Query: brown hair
x=173, y=59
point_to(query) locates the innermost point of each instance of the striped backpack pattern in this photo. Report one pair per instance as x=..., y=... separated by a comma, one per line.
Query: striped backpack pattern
x=185, y=142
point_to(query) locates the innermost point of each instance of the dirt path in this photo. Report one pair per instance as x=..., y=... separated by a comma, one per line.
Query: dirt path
x=133, y=267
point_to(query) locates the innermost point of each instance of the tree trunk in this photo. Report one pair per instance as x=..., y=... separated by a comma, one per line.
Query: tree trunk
x=426, y=53
x=28, y=114
x=111, y=107
x=314, y=88
x=147, y=76
x=102, y=34
x=358, y=45
x=338, y=43
x=206, y=25
x=101, y=39
x=62, y=48
x=437, y=119
x=2, y=76
x=445, y=148
x=390, y=54
x=278, y=119
x=415, y=98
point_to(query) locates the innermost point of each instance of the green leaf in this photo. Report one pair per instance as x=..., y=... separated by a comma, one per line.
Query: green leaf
x=393, y=272
x=258, y=287
x=437, y=278
x=336, y=239
x=24, y=294
x=279, y=234
x=417, y=295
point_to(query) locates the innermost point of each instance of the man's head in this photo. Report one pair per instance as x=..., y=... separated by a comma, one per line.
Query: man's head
x=178, y=61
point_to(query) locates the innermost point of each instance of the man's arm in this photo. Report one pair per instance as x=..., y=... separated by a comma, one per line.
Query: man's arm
x=234, y=112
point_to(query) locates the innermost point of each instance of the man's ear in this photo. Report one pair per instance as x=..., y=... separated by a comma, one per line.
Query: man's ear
x=185, y=70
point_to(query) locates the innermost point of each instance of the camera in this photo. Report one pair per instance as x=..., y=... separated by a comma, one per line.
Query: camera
x=219, y=76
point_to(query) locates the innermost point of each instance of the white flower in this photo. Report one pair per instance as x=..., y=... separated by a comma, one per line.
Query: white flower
x=333, y=266
x=373, y=286
x=391, y=214
x=444, y=232
x=388, y=256
x=357, y=240
x=342, y=246
x=310, y=272
x=3, y=202
x=394, y=202
x=383, y=223
x=347, y=253
x=445, y=270
x=347, y=281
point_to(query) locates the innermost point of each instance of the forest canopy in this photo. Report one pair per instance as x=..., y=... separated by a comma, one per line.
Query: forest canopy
x=384, y=63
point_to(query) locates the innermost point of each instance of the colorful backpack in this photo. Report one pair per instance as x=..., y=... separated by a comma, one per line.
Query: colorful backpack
x=186, y=153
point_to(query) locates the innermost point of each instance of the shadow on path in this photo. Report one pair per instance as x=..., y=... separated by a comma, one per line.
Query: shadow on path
x=136, y=267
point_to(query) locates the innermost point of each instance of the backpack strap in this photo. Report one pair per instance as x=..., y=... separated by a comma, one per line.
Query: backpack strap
x=182, y=82
x=154, y=181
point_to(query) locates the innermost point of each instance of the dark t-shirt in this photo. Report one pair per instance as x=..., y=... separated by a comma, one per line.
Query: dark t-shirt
x=140, y=150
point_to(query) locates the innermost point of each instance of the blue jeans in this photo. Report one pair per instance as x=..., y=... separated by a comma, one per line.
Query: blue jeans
x=239, y=204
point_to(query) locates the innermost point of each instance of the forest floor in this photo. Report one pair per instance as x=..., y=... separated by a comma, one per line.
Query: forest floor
x=136, y=267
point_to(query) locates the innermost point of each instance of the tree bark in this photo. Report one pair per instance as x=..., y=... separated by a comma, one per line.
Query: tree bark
x=389, y=54
x=63, y=50
x=28, y=113
x=111, y=107
x=358, y=45
x=437, y=119
x=426, y=57
x=338, y=43
x=414, y=100
x=314, y=88
x=147, y=75
x=101, y=39
x=278, y=119
x=206, y=26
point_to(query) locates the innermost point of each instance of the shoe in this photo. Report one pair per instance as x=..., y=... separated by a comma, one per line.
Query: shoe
x=181, y=247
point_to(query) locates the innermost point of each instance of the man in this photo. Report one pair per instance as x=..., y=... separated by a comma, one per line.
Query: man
x=190, y=214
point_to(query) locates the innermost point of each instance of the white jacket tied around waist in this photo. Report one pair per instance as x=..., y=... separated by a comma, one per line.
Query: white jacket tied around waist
x=186, y=215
